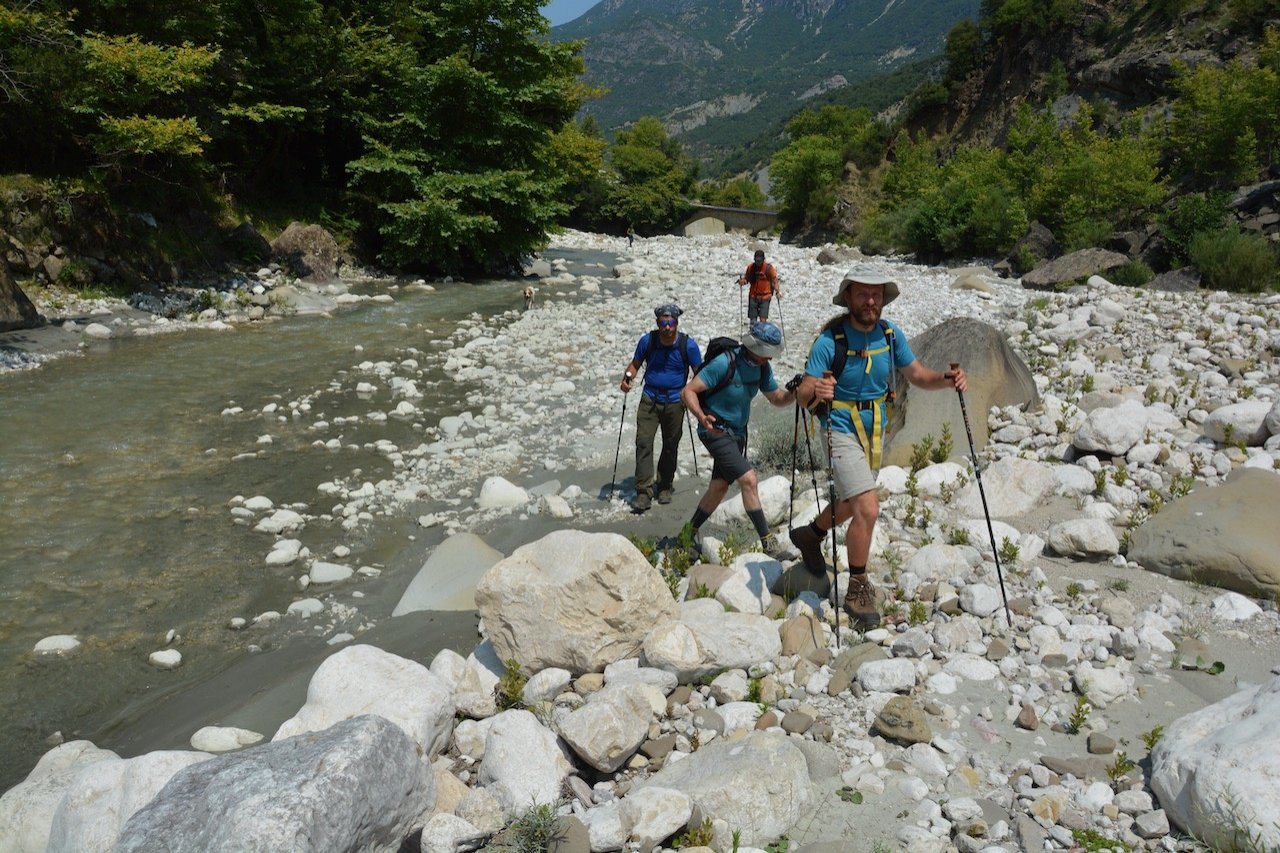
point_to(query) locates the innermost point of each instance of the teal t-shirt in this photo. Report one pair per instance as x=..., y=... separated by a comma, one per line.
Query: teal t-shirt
x=732, y=404
x=856, y=382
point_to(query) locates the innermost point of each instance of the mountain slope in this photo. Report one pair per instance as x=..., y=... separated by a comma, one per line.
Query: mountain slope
x=719, y=72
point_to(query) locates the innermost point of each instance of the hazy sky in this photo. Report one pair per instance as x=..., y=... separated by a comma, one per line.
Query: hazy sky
x=564, y=11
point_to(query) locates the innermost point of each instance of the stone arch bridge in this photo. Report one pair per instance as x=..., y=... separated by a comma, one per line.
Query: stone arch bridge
x=709, y=219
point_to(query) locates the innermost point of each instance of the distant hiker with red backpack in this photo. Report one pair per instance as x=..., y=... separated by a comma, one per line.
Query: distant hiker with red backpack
x=667, y=355
x=763, y=278
x=849, y=380
x=719, y=397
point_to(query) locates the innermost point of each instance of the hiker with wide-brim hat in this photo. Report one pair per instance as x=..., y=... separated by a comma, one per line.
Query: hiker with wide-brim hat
x=719, y=398
x=667, y=355
x=849, y=381
x=763, y=279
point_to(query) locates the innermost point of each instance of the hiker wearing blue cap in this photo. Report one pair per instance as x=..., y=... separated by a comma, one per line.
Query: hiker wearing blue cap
x=667, y=355
x=719, y=398
x=849, y=381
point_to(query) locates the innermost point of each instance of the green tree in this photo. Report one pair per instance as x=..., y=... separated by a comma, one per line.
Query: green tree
x=735, y=192
x=1223, y=128
x=963, y=50
x=806, y=174
x=651, y=175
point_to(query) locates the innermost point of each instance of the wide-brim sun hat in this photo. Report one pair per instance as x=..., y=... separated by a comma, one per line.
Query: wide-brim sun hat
x=764, y=339
x=865, y=274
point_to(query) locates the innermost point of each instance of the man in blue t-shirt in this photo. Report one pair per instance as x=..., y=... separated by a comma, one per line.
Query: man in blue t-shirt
x=722, y=422
x=668, y=355
x=852, y=407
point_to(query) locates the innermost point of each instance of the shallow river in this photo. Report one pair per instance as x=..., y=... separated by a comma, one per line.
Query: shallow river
x=117, y=470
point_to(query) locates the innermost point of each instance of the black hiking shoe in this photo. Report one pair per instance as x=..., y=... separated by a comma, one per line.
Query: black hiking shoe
x=664, y=495
x=810, y=546
x=860, y=602
x=641, y=502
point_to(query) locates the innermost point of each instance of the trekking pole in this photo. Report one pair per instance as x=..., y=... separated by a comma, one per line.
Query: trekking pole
x=613, y=481
x=795, y=440
x=781, y=324
x=977, y=473
x=740, y=300
x=693, y=445
x=831, y=500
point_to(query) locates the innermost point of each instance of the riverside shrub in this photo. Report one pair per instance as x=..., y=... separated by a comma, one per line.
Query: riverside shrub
x=1229, y=259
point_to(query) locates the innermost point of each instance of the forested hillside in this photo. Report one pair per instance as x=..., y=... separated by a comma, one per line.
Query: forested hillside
x=423, y=131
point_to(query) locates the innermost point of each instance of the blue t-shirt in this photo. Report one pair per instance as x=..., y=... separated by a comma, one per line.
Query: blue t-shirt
x=732, y=404
x=856, y=382
x=665, y=369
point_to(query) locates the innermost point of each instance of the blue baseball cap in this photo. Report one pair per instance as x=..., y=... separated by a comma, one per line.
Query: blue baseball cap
x=764, y=339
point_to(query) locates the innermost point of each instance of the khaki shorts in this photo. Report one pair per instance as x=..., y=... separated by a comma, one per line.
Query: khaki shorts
x=849, y=465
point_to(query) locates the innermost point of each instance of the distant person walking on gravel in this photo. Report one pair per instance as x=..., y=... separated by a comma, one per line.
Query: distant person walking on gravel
x=667, y=355
x=719, y=397
x=631, y=236
x=763, y=279
x=849, y=380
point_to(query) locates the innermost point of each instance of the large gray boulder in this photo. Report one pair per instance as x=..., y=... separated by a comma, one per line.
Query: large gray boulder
x=309, y=251
x=1217, y=771
x=574, y=600
x=997, y=377
x=1077, y=266
x=357, y=785
x=758, y=784
x=1224, y=536
x=16, y=310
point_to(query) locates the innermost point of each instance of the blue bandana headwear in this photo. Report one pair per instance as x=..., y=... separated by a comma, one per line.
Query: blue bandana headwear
x=670, y=309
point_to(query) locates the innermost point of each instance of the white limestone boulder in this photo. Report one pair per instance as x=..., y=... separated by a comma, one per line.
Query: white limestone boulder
x=1112, y=429
x=1013, y=486
x=363, y=679
x=574, y=600
x=1083, y=537
x=523, y=765
x=27, y=809
x=497, y=493
x=1244, y=421
x=610, y=727
x=105, y=794
x=758, y=784
x=775, y=500
x=1216, y=771
x=747, y=588
x=654, y=812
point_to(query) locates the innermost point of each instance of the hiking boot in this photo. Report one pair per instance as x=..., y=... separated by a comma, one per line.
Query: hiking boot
x=664, y=496
x=641, y=502
x=775, y=549
x=810, y=545
x=860, y=602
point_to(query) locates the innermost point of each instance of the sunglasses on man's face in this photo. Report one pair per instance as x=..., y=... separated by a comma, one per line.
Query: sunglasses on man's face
x=666, y=324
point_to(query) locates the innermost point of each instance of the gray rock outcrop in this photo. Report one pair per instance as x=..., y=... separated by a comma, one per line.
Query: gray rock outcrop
x=1076, y=266
x=997, y=377
x=16, y=310
x=309, y=250
x=1211, y=535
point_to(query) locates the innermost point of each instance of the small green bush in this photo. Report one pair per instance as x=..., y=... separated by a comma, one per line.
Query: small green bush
x=1229, y=259
x=1132, y=274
